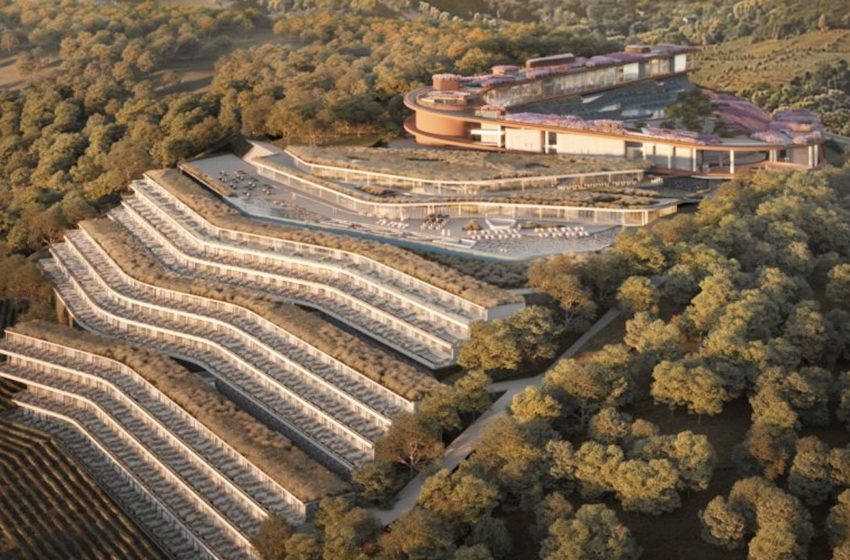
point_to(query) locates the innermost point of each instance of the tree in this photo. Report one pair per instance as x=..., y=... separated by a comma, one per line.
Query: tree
x=692, y=385
x=303, y=546
x=607, y=378
x=692, y=455
x=609, y=425
x=410, y=442
x=594, y=533
x=347, y=530
x=459, y=497
x=521, y=340
x=418, y=535
x=653, y=338
x=771, y=408
x=533, y=405
x=810, y=477
x=471, y=396
x=839, y=466
x=638, y=294
x=555, y=277
x=511, y=455
x=706, y=307
x=593, y=465
x=807, y=391
x=643, y=250
x=838, y=286
x=806, y=330
x=781, y=526
x=271, y=538
x=492, y=533
x=838, y=521
x=767, y=450
x=440, y=407
x=723, y=525
x=553, y=507
x=647, y=486
x=376, y=481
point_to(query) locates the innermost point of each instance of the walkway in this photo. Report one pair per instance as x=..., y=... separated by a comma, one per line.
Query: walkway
x=464, y=444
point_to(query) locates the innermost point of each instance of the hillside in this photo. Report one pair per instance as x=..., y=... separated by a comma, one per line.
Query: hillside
x=739, y=64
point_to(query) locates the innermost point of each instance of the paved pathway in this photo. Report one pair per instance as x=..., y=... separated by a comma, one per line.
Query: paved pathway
x=463, y=445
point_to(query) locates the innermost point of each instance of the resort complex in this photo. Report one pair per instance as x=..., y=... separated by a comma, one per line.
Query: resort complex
x=306, y=344
x=394, y=280
x=613, y=105
x=492, y=206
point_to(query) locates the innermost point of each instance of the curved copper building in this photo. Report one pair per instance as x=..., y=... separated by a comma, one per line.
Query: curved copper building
x=611, y=105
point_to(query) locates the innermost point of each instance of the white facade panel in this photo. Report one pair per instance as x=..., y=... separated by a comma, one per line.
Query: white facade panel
x=582, y=144
x=680, y=63
x=683, y=158
x=524, y=140
x=631, y=71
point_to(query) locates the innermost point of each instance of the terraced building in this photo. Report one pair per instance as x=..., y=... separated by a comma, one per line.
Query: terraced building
x=194, y=486
x=309, y=345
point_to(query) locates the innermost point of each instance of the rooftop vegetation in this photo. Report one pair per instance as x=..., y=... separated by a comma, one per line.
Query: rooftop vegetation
x=354, y=351
x=270, y=451
x=591, y=195
x=218, y=213
x=458, y=165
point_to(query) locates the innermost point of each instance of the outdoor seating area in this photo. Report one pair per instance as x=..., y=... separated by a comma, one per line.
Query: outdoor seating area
x=566, y=232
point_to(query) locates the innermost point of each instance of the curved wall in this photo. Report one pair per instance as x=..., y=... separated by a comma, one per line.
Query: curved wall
x=438, y=125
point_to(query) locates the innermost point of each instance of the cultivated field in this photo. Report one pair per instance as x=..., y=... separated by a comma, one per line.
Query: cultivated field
x=736, y=65
x=50, y=508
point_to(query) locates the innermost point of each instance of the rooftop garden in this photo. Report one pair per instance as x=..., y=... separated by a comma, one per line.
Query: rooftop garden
x=222, y=215
x=271, y=452
x=458, y=165
x=590, y=195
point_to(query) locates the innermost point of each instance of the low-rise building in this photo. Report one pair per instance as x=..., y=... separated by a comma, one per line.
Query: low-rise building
x=610, y=105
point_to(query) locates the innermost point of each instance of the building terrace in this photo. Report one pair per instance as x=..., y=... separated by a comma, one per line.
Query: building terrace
x=465, y=293
x=255, y=446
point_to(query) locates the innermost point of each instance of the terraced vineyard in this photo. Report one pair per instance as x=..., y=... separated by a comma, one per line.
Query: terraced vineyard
x=50, y=508
x=736, y=65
